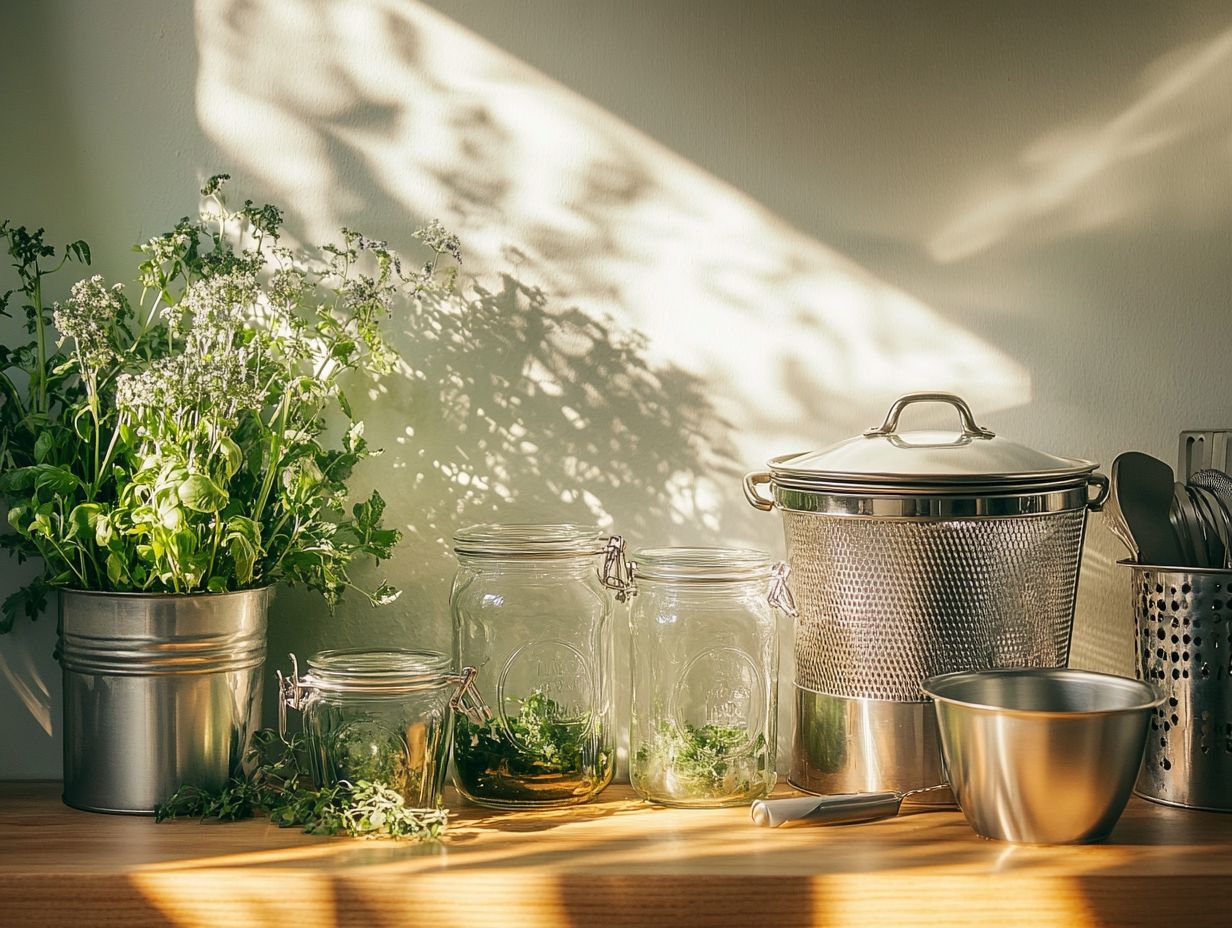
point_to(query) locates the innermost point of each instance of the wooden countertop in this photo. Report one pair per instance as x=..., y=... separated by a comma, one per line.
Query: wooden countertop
x=615, y=862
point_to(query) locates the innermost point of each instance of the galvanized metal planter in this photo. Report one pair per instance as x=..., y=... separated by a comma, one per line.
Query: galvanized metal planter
x=159, y=690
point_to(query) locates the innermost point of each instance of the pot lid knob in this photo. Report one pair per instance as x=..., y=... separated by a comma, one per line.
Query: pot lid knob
x=969, y=427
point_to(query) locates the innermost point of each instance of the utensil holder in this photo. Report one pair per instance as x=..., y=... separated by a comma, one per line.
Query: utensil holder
x=1183, y=624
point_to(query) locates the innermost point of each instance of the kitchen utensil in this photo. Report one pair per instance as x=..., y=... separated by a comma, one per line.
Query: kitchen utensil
x=1220, y=485
x=1114, y=519
x=1183, y=622
x=1144, y=494
x=1216, y=480
x=914, y=553
x=839, y=809
x=1042, y=756
x=1187, y=530
x=1214, y=527
x=1204, y=449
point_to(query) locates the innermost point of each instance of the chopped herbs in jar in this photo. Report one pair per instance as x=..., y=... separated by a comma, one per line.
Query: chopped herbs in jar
x=707, y=764
x=537, y=755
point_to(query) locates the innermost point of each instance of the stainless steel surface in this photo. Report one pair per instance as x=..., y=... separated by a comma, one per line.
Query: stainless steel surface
x=159, y=691
x=1144, y=494
x=912, y=554
x=969, y=427
x=1204, y=449
x=884, y=604
x=1039, y=756
x=865, y=745
x=885, y=460
x=1183, y=620
x=962, y=505
x=828, y=810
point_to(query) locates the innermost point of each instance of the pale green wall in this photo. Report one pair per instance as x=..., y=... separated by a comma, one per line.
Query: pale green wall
x=806, y=208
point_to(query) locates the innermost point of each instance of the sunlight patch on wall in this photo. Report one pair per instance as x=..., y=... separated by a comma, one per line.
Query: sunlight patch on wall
x=391, y=110
x=1091, y=177
x=24, y=676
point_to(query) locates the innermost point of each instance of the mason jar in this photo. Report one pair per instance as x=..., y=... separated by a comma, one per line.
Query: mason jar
x=704, y=674
x=382, y=716
x=532, y=609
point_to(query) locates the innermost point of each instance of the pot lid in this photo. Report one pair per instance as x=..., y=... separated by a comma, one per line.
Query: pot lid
x=909, y=461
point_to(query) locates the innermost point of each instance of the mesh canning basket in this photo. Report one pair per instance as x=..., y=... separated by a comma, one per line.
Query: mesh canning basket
x=916, y=553
x=1183, y=621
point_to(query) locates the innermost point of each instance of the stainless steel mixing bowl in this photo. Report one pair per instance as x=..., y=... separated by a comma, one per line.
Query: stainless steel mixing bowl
x=1042, y=756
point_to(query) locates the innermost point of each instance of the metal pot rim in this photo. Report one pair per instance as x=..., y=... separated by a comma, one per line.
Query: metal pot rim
x=932, y=484
x=929, y=686
x=1160, y=569
x=202, y=595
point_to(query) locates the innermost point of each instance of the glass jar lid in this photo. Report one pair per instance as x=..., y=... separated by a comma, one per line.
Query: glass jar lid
x=388, y=670
x=531, y=539
x=701, y=565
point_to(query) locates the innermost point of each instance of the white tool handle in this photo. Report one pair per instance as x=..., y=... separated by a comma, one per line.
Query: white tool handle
x=838, y=809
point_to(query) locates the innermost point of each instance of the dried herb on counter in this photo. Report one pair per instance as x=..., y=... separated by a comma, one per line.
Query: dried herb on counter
x=544, y=756
x=365, y=808
x=701, y=762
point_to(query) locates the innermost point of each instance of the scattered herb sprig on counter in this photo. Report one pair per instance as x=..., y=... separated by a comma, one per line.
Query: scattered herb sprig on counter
x=702, y=762
x=548, y=753
x=364, y=809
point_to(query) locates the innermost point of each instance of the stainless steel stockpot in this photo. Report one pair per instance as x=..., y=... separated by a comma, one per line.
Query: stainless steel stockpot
x=916, y=553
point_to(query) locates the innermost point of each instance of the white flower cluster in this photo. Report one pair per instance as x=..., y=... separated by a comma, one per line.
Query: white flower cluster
x=218, y=384
x=89, y=317
x=167, y=247
x=218, y=306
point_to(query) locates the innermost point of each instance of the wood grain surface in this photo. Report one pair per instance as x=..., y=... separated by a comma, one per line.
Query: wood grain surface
x=615, y=862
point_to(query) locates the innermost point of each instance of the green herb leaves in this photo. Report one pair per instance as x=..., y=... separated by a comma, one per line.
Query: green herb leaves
x=706, y=762
x=179, y=443
x=537, y=754
x=364, y=809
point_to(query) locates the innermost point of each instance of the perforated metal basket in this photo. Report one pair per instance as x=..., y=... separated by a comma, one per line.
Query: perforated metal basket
x=913, y=554
x=1183, y=618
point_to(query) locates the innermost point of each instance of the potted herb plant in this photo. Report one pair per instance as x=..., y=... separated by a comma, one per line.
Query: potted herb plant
x=168, y=458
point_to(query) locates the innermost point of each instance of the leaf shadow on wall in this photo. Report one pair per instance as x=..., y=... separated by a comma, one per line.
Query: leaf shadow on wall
x=520, y=405
x=507, y=407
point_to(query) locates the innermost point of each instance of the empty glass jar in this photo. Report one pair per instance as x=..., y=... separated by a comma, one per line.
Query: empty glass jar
x=383, y=716
x=705, y=674
x=532, y=609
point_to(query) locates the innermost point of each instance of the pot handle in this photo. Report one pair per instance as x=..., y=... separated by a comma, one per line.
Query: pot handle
x=840, y=809
x=1101, y=495
x=751, y=482
x=969, y=426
